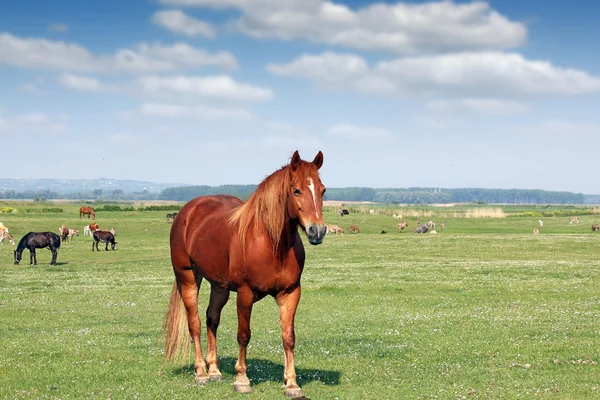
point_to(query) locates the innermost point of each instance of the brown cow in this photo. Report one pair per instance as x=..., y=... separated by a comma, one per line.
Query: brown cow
x=84, y=210
x=354, y=229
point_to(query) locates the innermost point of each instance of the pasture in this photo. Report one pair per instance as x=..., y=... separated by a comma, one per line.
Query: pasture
x=484, y=309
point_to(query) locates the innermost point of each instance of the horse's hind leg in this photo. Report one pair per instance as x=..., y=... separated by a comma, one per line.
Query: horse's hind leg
x=54, y=255
x=32, y=255
x=218, y=299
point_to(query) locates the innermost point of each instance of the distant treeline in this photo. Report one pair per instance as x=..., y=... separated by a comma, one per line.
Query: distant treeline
x=389, y=196
x=396, y=196
x=97, y=194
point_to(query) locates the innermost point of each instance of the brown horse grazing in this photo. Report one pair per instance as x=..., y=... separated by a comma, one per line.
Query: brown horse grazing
x=251, y=248
x=64, y=232
x=84, y=210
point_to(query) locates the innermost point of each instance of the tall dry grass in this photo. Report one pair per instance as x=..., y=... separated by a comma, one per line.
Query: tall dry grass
x=482, y=212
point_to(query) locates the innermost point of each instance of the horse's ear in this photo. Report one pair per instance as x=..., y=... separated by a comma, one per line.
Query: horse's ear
x=295, y=160
x=318, y=161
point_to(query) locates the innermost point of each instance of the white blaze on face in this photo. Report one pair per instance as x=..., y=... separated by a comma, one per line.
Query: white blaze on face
x=311, y=186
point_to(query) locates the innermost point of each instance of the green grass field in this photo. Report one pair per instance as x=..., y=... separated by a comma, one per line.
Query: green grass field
x=484, y=309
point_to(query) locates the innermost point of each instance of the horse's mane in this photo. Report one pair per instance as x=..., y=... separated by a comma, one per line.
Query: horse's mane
x=21, y=245
x=266, y=207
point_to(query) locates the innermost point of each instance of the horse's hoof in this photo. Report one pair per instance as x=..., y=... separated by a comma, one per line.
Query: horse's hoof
x=216, y=377
x=242, y=387
x=293, y=393
x=201, y=380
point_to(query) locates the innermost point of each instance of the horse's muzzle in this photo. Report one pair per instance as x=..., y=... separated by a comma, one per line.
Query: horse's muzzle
x=316, y=233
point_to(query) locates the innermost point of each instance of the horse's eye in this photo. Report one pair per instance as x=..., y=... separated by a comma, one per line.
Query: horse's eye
x=297, y=192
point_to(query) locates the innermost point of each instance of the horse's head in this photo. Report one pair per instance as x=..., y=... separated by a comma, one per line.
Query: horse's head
x=17, y=256
x=306, y=196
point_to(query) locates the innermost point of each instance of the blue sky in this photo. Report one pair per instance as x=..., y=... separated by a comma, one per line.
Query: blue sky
x=500, y=94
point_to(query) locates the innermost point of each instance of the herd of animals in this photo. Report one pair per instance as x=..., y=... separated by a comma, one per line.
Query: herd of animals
x=421, y=228
x=50, y=240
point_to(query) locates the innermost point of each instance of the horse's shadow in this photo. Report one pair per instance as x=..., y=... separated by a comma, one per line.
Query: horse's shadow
x=260, y=370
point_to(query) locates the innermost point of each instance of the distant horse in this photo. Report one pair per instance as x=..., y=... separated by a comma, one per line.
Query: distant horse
x=541, y=222
x=573, y=219
x=431, y=224
x=442, y=226
x=252, y=248
x=335, y=229
x=354, y=229
x=418, y=222
x=171, y=217
x=422, y=229
x=595, y=228
x=402, y=225
x=72, y=232
x=343, y=212
x=104, y=237
x=64, y=232
x=536, y=231
x=38, y=240
x=5, y=235
x=84, y=210
x=93, y=227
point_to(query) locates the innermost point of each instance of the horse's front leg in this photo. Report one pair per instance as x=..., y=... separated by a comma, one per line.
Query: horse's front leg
x=245, y=299
x=54, y=255
x=218, y=299
x=32, y=257
x=288, y=303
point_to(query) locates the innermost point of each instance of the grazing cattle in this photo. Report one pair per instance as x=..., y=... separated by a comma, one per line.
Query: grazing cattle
x=421, y=229
x=5, y=235
x=536, y=231
x=402, y=225
x=38, y=240
x=442, y=226
x=84, y=210
x=72, y=232
x=383, y=232
x=433, y=231
x=64, y=232
x=595, y=228
x=252, y=248
x=104, y=237
x=431, y=225
x=354, y=229
x=573, y=219
x=541, y=222
x=171, y=217
x=418, y=220
x=335, y=229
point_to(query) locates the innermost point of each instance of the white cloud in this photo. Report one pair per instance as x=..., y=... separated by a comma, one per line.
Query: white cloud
x=324, y=67
x=78, y=82
x=211, y=87
x=487, y=74
x=401, y=28
x=35, y=53
x=164, y=110
x=177, y=21
x=58, y=28
x=31, y=123
x=484, y=106
x=356, y=132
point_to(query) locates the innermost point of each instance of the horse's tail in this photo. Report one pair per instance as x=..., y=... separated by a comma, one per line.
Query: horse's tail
x=175, y=324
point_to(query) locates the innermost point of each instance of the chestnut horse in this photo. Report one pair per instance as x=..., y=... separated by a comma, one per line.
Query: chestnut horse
x=84, y=210
x=251, y=248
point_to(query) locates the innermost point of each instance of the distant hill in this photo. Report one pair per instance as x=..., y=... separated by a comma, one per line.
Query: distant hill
x=83, y=185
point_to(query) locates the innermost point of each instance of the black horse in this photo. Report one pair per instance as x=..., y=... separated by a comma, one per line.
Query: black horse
x=171, y=217
x=38, y=240
x=422, y=229
x=104, y=237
